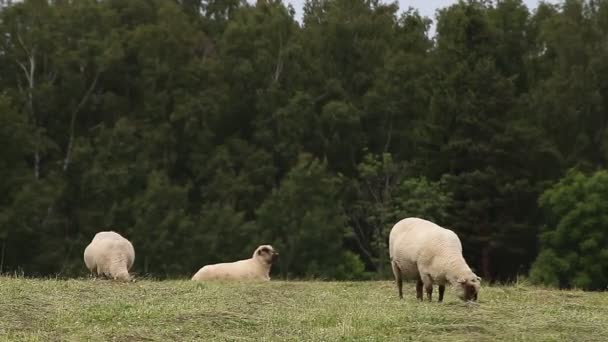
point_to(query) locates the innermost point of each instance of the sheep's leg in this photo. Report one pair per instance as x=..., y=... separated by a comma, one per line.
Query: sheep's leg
x=419, y=286
x=428, y=286
x=92, y=274
x=398, y=279
x=429, y=291
x=441, y=291
x=101, y=274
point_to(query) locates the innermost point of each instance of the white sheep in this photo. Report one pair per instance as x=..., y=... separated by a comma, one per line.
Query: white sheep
x=421, y=250
x=256, y=268
x=109, y=254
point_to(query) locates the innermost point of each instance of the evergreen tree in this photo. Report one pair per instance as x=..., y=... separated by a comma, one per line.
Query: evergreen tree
x=573, y=251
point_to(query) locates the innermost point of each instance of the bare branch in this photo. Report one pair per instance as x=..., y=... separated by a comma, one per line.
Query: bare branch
x=358, y=233
x=52, y=77
x=37, y=161
x=32, y=70
x=22, y=66
x=85, y=97
x=279, y=67
x=372, y=192
x=22, y=44
x=389, y=136
x=358, y=238
x=30, y=73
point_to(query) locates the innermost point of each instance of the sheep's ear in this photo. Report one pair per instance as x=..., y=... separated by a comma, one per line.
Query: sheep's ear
x=478, y=278
x=259, y=252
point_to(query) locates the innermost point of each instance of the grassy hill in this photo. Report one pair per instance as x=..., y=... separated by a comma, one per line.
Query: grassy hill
x=79, y=310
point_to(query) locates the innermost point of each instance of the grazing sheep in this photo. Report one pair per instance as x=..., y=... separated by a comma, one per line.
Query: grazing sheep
x=111, y=255
x=255, y=268
x=424, y=251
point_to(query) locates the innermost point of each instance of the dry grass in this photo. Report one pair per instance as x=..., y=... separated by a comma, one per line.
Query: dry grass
x=86, y=310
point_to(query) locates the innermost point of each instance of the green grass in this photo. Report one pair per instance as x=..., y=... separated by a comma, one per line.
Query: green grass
x=86, y=310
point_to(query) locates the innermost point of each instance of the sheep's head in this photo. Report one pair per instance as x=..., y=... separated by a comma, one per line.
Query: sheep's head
x=267, y=254
x=468, y=287
x=123, y=276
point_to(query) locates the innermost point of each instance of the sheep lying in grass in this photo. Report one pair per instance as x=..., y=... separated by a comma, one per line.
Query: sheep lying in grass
x=424, y=251
x=255, y=268
x=111, y=255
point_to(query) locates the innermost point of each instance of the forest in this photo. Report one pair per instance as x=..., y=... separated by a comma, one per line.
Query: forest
x=200, y=129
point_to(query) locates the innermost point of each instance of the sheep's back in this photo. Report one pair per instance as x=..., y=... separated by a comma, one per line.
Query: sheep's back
x=106, y=251
x=414, y=242
x=238, y=270
x=410, y=235
x=89, y=256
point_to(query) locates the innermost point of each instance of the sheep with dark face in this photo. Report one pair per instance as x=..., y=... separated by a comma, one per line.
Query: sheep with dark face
x=421, y=250
x=111, y=255
x=256, y=268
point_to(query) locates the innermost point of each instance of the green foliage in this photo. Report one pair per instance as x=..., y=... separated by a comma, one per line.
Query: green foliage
x=160, y=220
x=384, y=194
x=223, y=231
x=573, y=245
x=303, y=219
x=14, y=132
x=201, y=129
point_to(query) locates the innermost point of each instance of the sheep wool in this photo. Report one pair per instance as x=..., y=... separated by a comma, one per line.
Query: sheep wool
x=422, y=250
x=256, y=268
x=111, y=255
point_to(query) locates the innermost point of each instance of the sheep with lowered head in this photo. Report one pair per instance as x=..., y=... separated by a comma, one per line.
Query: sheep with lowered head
x=111, y=255
x=421, y=250
x=255, y=268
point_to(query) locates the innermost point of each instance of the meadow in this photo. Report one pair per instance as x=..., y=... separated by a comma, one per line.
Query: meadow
x=180, y=310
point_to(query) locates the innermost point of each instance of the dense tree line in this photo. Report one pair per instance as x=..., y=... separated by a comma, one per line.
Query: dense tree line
x=202, y=128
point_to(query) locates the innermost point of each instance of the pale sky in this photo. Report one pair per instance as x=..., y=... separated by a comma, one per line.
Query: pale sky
x=425, y=7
